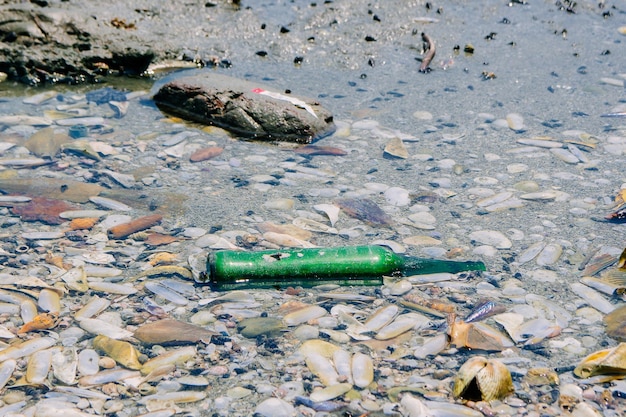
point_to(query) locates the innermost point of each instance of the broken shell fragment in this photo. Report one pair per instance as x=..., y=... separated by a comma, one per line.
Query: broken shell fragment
x=43, y=321
x=603, y=362
x=483, y=379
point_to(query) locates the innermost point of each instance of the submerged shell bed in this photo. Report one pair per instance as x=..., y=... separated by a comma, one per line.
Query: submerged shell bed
x=101, y=237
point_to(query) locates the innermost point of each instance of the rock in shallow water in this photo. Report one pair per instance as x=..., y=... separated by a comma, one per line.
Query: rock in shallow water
x=245, y=108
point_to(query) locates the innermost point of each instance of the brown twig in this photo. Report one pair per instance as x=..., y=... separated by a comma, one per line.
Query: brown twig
x=430, y=53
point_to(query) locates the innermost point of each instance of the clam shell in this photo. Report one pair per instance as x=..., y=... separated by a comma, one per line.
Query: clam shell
x=323, y=368
x=615, y=323
x=603, y=362
x=122, y=352
x=483, y=379
x=64, y=364
x=362, y=370
x=330, y=392
x=177, y=356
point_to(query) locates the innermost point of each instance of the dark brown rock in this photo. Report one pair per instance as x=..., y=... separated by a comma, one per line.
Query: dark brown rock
x=245, y=108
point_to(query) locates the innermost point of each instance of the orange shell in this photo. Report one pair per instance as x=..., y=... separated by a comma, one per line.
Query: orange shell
x=83, y=223
x=43, y=321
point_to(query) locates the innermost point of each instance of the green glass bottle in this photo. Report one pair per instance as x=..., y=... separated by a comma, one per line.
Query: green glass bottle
x=351, y=265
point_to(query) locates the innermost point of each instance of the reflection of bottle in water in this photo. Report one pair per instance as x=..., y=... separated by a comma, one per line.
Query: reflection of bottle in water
x=353, y=265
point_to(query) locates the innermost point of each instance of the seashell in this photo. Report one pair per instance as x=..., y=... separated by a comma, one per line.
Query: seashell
x=316, y=346
x=541, y=376
x=381, y=317
x=38, y=367
x=109, y=203
x=166, y=293
x=6, y=371
x=515, y=121
x=343, y=364
x=43, y=321
x=28, y=311
x=400, y=287
x=26, y=348
x=313, y=226
x=23, y=119
x=365, y=210
x=76, y=279
x=477, y=336
x=482, y=379
x=395, y=148
x=330, y=210
x=615, y=323
x=49, y=301
x=431, y=346
x=173, y=357
x=592, y=297
x=549, y=255
x=101, y=327
x=401, y=324
x=323, y=368
x=65, y=364
x=491, y=237
x=483, y=310
x=172, y=332
x=362, y=370
x=88, y=362
x=531, y=252
x=413, y=407
x=193, y=381
x=93, y=307
x=603, y=362
x=285, y=240
x=330, y=392
x=83, y=223
x=494, y=199
x=122, y=352
x=106, y=376
x=565, y=155
x=421, y=240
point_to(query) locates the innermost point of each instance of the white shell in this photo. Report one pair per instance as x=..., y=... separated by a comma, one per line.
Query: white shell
x=303, y=315
x=323, y=368
x=401, y=324
x=38, y=367
x=330, y=392
x=331, y=211
x=101, y=327
x=65, y=364
x=362, y=370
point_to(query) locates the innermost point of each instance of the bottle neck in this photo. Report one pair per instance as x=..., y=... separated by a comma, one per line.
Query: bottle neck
x=422, y=266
